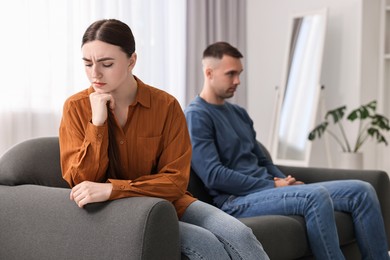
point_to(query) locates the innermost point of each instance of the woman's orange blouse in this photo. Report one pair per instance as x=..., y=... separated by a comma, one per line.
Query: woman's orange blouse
x=154, y=147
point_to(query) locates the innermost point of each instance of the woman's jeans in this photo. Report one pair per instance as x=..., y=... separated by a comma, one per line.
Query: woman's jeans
x=207, y=232
x=317, y=203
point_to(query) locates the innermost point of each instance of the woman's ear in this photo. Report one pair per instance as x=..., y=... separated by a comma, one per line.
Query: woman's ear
x=133, y=60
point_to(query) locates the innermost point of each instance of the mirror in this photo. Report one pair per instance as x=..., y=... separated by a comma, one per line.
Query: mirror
x=298, y=96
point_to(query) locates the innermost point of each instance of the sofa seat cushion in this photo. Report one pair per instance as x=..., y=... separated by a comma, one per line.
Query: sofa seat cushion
x=284, y=237
x=344, y=224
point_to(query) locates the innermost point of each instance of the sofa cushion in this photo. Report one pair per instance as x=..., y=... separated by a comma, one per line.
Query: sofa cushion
x=34, y=161
x=290, y=231
x=284, y=236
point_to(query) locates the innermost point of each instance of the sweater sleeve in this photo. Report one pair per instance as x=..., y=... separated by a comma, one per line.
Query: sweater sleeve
x=263, y=160
x=207, y=164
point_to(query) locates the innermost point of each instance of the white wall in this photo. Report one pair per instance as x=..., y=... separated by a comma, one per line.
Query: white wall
x=349, y=67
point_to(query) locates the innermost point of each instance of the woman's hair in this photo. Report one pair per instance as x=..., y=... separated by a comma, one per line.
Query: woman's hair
x=117, y=33
x=111, y=31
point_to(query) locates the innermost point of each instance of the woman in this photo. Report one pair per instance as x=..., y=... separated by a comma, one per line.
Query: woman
x=122, y=138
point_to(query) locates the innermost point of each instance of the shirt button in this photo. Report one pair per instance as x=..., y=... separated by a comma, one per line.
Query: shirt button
x=100, y=135
x=122, y=187
x=122, y=142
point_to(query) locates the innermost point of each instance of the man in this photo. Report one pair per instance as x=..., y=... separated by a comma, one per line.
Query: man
x=244, y=183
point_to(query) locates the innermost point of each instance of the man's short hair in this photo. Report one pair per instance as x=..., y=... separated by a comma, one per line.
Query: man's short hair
x=218, y=49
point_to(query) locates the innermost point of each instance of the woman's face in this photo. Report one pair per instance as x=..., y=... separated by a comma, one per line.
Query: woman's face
x=107, y=67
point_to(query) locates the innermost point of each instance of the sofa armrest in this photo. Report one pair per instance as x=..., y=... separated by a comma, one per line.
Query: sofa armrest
x=39, y=222
x=377, y=178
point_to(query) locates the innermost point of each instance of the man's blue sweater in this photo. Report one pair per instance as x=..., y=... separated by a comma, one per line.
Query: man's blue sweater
x=225, y=154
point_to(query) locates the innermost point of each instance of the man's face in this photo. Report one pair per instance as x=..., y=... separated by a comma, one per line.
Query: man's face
x=224, y=77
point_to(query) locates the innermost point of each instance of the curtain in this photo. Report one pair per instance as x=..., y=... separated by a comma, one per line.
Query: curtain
x=209, y=21
x=41, y=56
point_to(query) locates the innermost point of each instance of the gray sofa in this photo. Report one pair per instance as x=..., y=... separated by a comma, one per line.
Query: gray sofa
x=284, y=237
x=38, y=221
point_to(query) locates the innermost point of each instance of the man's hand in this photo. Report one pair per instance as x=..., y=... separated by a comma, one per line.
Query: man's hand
x=289, y=180
x=90, y=192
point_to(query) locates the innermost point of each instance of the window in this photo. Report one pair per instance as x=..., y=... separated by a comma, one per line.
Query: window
x=41, y=56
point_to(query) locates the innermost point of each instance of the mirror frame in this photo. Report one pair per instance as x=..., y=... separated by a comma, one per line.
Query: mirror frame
x=282, y=91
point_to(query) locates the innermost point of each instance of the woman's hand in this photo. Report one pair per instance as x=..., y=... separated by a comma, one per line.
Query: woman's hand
x=90, y=192
x=289, y=180
x=99, y=107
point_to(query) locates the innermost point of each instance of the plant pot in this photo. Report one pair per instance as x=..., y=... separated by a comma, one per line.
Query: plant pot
x=350, y=161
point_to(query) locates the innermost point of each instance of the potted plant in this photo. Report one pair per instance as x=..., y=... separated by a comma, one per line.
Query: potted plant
x=371, y=126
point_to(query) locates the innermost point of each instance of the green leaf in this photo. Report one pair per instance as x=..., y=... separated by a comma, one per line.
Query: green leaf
x=319, y=130
x=372, y=105
x=337, y=114
x=375, y=133
x=363, y=112
x=381, y=122
x=374, y=125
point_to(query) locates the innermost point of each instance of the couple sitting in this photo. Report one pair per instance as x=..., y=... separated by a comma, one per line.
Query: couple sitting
x=123, y=138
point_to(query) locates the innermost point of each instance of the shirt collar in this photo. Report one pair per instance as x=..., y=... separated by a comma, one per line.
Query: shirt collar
x=143, y=94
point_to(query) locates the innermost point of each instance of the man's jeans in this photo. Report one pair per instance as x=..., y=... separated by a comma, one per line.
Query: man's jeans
x=317, y=202
x=207, y=232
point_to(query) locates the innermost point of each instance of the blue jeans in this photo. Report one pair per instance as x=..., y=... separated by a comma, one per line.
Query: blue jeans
x=316, y=203
x=207, y=232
